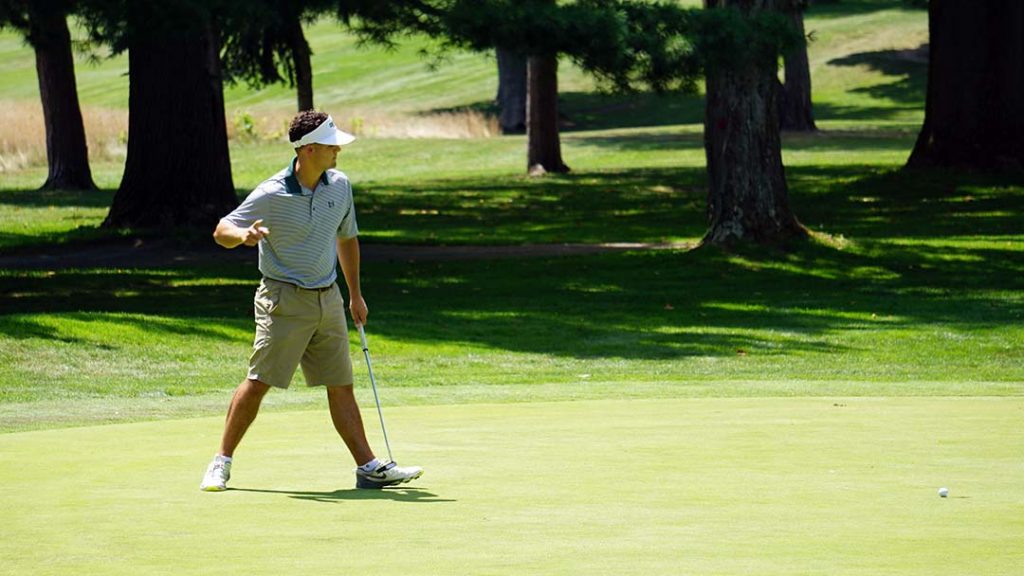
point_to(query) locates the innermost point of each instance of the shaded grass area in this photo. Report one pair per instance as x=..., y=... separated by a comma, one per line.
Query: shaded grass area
x=604, y=110
x=903, y=89
x=846, y=8
x=30, y=217
x=649, y=205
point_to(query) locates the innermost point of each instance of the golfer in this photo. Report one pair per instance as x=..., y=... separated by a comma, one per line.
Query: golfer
x=304, y=222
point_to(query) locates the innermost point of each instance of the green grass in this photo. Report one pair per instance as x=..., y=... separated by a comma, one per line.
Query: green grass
x=706, y=412
x=911, y=286
x=917, y=291
x=705, y=486
x=913, y=289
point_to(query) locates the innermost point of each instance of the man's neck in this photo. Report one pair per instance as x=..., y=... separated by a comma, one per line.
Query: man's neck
x=307, y=176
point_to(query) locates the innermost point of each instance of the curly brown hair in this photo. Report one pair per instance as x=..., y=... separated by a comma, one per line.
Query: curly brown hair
x=304, y=123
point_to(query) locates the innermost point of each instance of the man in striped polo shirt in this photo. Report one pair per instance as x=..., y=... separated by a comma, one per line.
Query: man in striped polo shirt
x=303, y=220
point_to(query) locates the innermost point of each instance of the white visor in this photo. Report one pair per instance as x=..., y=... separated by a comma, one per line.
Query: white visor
x=326, y=133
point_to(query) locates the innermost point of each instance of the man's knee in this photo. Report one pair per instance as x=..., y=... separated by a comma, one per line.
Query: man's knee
x=253, y=388
x=341, y=395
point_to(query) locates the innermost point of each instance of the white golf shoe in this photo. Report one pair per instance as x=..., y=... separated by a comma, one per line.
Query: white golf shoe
x=217, y=475
x=389, y=474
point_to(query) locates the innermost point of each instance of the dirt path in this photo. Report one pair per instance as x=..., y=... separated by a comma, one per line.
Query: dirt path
x=164, y=254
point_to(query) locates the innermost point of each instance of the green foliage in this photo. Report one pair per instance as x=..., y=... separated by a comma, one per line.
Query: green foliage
x=22, y=15
x=114, y=22
x=259, y=39
x=245, y=126
x=730, y=38
x=14, y=14
x=626, y=43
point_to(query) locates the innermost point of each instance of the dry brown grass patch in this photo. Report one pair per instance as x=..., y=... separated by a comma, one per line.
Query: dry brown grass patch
x=23, y=138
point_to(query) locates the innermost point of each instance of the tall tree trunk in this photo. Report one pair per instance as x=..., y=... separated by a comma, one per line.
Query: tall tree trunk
x=974, y=114
x=303, y=65
x=795, y=109
x=544, y=148
x=178, y=171
x=66, y=148
x=511, y=97
x=748, y=199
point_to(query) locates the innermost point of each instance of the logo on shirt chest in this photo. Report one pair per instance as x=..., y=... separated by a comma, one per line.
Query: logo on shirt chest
x=330, y=203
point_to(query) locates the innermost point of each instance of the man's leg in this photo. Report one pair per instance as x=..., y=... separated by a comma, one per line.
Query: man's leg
x=348, y=422
x=245, y=404
x=370, y=473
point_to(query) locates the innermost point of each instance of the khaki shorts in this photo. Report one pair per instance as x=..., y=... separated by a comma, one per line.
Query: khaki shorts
x=295, y=325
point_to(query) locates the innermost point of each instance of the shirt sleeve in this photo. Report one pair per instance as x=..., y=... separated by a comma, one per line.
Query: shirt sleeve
x=253, y=208
x=348, y=227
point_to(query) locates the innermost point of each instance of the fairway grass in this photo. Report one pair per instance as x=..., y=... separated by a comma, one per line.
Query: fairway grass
x=691, y=486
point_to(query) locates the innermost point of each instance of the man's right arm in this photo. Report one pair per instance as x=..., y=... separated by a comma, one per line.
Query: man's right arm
x=229, y=236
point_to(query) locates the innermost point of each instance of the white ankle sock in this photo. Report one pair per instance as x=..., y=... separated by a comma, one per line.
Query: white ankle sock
x=370, y=466
x=222, y=458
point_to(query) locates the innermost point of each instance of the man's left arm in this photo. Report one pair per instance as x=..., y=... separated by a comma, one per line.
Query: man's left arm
x=348, y=257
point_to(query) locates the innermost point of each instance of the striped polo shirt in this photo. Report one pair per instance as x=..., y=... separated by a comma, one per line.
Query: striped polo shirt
x=304, y=225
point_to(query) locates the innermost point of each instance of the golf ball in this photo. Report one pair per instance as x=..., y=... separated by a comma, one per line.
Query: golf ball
x=943, y=492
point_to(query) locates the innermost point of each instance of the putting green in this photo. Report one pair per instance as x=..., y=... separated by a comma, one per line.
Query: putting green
x=702, y=486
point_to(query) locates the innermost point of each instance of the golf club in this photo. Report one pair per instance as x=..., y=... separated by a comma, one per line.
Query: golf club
x=373, y=384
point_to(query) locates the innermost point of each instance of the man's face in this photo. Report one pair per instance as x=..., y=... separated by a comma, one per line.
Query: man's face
x=326, y=155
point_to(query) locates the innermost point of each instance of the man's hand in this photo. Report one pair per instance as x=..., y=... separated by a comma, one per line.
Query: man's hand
x=228, y=235
x=255, y=233
x=359, y=311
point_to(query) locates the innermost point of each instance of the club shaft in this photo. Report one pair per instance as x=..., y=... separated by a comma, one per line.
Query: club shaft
x=373, y=384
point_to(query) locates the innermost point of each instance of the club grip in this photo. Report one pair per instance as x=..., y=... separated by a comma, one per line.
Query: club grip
x=362, y=336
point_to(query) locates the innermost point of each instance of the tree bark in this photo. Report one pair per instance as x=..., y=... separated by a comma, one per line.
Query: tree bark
x=544, y=149
x=747, y=194
x=974, y=112
x=511, y=97
x=795, y=109
x=67, y=152
x=178, y=171
x=303, y=65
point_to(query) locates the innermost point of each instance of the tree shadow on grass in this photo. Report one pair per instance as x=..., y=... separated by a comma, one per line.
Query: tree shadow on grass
x=196, y=301
x=706, y=303
x=34, y=198
x=845, y=8
x=401, y=494
x=584, y=111
x=693, y=141
x=913, y=261
x=27, y=209
x=617, y=206
x=641, y=142
x=885, y=204
x=907, y=91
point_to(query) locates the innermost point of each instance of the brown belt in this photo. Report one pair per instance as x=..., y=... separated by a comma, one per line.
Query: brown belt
x=324, y=289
